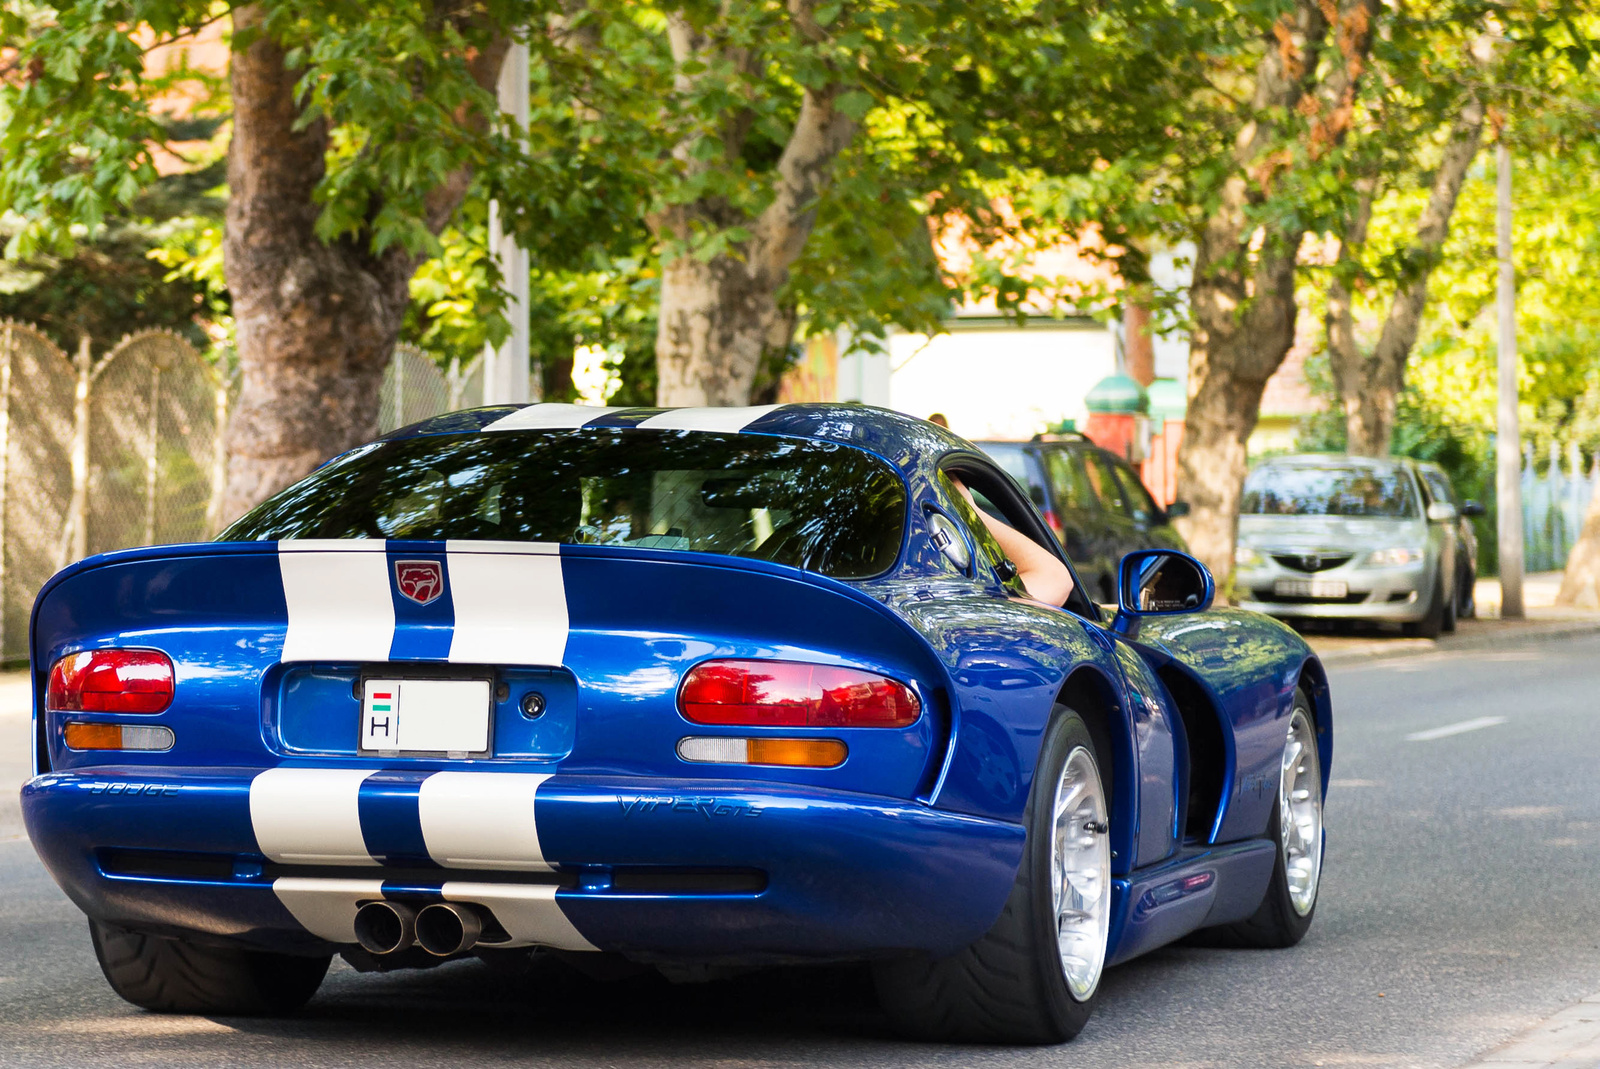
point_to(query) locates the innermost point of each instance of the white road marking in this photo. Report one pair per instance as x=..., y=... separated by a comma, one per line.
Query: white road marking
x=549, y=417
x=310, y=816
x=482, y=820
x=1461, y=728
x=510, y=603
x=340, y=608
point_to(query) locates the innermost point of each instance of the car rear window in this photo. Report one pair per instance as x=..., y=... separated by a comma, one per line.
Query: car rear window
x=1292, y=490
x=825, y=507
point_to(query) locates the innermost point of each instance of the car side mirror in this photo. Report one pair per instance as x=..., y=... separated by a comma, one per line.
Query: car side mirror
x=1160, y=582
x=1441, y=512
x=1472, y=510
x=1177, y=509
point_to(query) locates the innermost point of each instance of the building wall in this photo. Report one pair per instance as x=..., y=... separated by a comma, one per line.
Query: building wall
x=992, y=379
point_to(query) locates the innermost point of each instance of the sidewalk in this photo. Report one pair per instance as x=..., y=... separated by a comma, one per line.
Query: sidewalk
x=1543, y=620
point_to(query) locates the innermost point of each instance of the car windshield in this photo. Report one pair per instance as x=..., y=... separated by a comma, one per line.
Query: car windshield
x=1293, y=490
x=828, y=508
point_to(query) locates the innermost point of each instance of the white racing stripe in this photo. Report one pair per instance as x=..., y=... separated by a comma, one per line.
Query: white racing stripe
x=528, y=913
x=482, y=820
x=510, y=603
x=549, y=417
x=1455, y=729
x=326, y=908
x=706, y=419
x=310, y=816
x=340, y=608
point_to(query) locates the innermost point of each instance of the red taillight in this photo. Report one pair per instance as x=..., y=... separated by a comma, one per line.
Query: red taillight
x=110, y=681
x=792, y=694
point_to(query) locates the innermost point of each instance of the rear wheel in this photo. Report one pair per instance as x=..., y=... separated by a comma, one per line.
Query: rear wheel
x=176, y=976
x=1034, y=975
x=1466, y=595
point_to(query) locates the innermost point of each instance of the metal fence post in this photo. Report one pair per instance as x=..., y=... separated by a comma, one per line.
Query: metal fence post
x=78, y=513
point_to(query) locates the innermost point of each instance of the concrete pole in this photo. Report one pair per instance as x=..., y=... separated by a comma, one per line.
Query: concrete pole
x=1508, y=437
x=507, y=370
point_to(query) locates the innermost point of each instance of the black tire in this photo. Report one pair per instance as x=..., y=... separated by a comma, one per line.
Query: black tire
x=1008, y=987
x=1276, y=923
x=1431, y=624
x=176, y=976
x=1466, y=595
x=1448, y=623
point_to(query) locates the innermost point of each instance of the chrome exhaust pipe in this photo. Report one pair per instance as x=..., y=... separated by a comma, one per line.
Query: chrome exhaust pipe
x=446, y=928
x=385, y=927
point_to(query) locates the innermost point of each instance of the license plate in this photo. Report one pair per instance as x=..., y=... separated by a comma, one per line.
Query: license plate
x=447, y=716
x=1310, y=588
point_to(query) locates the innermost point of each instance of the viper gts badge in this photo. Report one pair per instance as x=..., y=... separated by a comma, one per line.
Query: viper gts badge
x=420, y=580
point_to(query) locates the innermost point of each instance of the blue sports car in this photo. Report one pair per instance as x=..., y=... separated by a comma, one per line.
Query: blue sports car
x=705, y=689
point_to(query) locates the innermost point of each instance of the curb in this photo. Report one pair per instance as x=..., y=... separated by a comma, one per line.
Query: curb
x=1493, y=634
x=1570, y=1037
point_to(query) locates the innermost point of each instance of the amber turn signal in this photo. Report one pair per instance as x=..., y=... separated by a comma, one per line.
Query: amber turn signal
x=81, y=736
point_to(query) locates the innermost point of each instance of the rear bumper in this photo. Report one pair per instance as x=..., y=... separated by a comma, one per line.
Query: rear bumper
x=670, y=869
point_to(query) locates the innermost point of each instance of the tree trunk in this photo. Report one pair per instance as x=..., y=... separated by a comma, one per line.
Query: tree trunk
x=716, y=325
x=317, y=322
x=1370, y=385
x=1242, y=298
x=720, y=318
x=1580, y=583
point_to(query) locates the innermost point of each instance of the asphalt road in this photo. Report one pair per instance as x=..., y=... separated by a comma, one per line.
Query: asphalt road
x=1458, y=908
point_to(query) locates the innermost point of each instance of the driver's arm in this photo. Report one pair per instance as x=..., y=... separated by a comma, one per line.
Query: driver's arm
x=1042, y=573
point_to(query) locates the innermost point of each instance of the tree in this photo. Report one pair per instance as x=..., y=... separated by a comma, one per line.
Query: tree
x=1243, y=296
x=358, y=131
x=1370, y=383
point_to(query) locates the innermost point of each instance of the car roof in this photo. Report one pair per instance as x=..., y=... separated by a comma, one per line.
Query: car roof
x=1335, y=460
x=903, y=440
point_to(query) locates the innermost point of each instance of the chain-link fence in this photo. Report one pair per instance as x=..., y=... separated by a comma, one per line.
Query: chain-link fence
x=127, y=450
x=414, y=388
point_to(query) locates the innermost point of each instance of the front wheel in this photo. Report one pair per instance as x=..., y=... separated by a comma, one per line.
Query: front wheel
x=1291, y=900
x=176, y=976
x=1034, y=975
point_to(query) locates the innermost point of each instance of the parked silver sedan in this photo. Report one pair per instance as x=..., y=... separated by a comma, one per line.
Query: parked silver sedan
x=1350, y=538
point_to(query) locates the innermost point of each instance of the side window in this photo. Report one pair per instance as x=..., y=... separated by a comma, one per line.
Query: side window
x=1439, y=486
x=989, y=551
x=1068, y=483
x=1141, y=506
x=1104, y=484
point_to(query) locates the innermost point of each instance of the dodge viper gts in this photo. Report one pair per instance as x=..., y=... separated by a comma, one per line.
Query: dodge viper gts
x=696, y=688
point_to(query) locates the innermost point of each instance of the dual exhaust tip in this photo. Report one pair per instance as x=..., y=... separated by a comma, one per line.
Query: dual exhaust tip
x=442, y=929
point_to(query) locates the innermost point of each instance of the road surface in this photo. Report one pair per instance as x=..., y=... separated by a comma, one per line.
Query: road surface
x=1459, y=907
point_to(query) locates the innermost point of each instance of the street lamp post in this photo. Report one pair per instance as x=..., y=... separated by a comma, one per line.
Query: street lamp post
x=507, y=371
x=1508, y=438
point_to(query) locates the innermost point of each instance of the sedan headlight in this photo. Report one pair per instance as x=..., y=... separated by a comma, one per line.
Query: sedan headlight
x=1246, y=557
x=1390, y=558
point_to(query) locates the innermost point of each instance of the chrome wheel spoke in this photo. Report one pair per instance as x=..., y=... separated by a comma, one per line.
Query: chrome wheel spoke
x=1079, y=877
x=1300, y=813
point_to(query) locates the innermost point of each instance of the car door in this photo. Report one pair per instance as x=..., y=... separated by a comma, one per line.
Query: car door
x=1121, y=535
x=1086, y=533
x=1149, y=520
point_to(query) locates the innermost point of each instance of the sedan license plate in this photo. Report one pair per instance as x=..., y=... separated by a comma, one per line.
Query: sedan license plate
x=1310, y=588
x=431, y=716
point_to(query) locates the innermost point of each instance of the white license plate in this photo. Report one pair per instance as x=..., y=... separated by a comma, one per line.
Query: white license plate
x=425, y=716
x=1310, y=588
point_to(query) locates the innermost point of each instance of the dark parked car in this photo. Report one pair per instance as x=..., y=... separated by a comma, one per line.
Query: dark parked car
x=1092, y=500
x=1437, y=484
